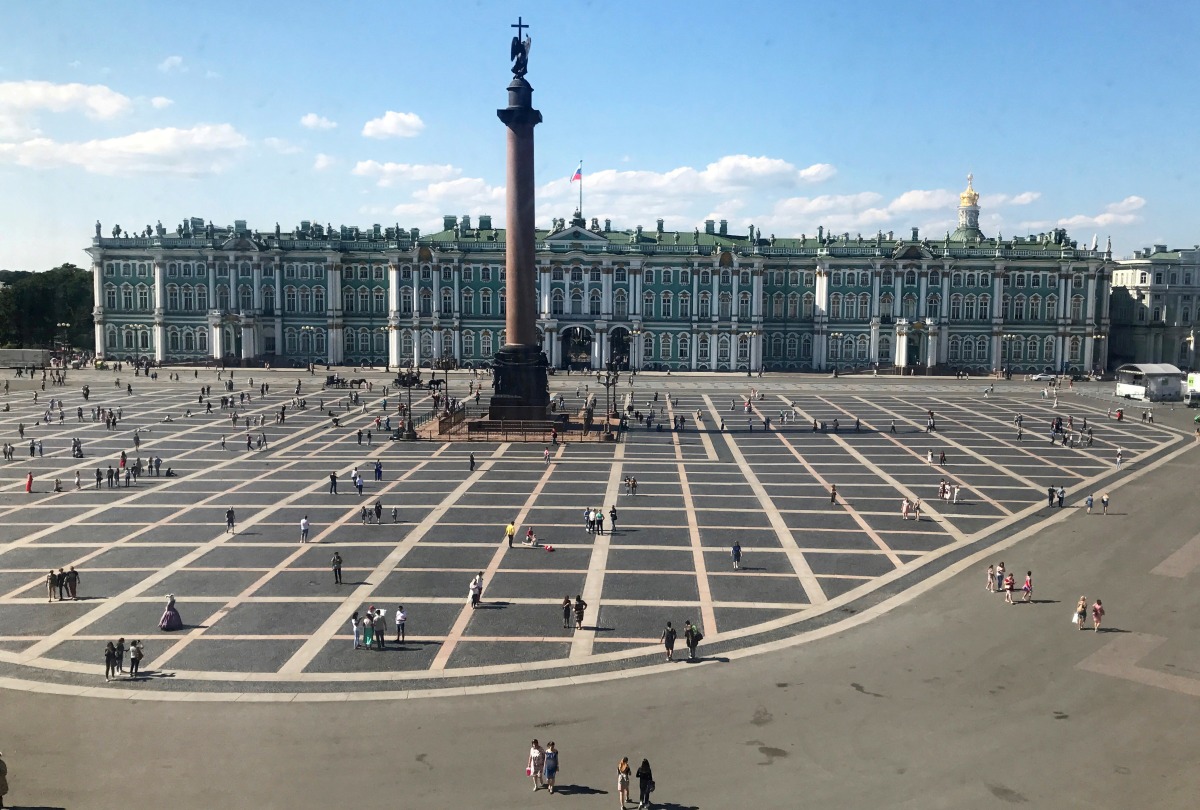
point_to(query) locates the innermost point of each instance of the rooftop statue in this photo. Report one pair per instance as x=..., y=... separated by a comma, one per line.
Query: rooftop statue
x=97, y=229
x=519, y=52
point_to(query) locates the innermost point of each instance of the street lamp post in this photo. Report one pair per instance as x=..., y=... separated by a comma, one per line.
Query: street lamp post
x=836, y=337
x=1009, y=339
x=64, y=342
x=410, y=431
x=751, y=334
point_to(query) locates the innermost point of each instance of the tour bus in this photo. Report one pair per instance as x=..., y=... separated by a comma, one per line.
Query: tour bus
x=1152, y=382
x=1191, y=391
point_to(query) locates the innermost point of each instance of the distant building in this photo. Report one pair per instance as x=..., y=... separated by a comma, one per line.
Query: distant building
x=646, y=298
x=1155, y=299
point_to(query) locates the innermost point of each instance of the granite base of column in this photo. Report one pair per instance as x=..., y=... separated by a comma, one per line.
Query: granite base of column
x=521, y=389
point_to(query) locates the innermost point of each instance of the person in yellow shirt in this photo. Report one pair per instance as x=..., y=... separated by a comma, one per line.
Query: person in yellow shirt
x=510, y=532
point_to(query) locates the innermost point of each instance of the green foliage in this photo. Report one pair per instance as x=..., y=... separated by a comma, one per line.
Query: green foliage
x=33, y=304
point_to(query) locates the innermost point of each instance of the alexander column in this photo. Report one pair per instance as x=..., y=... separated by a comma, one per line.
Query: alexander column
x=521, y=391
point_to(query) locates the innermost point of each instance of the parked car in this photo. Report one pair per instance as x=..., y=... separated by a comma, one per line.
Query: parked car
x=1042, y=377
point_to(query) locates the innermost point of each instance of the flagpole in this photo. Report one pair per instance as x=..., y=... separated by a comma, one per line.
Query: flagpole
x=581, y=188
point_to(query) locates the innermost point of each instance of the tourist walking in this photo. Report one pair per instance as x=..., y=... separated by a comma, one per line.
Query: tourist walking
x=736, y=552
x=509, y=531
x=566, y=612
x=668, y=641
x=990, y=587
x=304, y=529
x=379, y=621
x=692, y=637
x=136, y=654
x=833, y=493
x=612, y=519
x=550, y=765
x=1088, y=502
x=356, y=628
x=72, y=582
x=119, y=659
x=1027, y=588
x=401, y=620
x=333, y=483
x=645, y=779
x=1104, y=503
x=110, y=659
x=335, y=563
x=1097, y=615
x=535, y=765
x=229, y=520
x=1009, y=584
x=1080, y=612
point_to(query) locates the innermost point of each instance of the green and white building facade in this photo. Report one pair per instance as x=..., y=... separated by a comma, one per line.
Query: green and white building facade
x=701, y=300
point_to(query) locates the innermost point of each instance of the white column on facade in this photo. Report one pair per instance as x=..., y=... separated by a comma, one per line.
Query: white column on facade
x=820, y=320
x=875, y=293
x=457, y=308
x=416, y=334
x=587, y=275
x=716, y=300
x=279, y=344
x=256, y=287
x=1089, y=350
x=249, y=350
x=714, y=342
x=733, y=307
x=922, y=287
x=931, y=346
x=98, y=306
x=756, y=295
x=1091, y=299
x=393, y=315
x=437, y=340
x=874, y=351
x=1064, y=297
x=944, y=317
x=996, y=344
x=216, y=339
x=606, y=293
x=901, y=346
x=457, y=338
x=544, y=297
x=160, y=309
x=334, y=344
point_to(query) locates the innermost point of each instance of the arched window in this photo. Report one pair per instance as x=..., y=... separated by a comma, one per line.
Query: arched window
x=620, y=304
x=885, y=349
x=222, y=297
x=776, y=347
x=887, y=305
x=594, y=303
x=744, y=305
x=319, y=343
x=835, y=278
x=502, y=300
x=189, y=341
x=556, y=302
x=864, y=307
x=1048, y=348
x=723, y=349
x=143, y=297
x=485, y=303
x=664, y=348
x=863, y=346
x=968, y=350
x=910, y=278
x=647, y=304
x=485, y=343
x=864, y=279
x=725, y=305
x=1006, y=307
x=1076, y=348
x=468, y=343
x=318, y=299
x=705, y=305
x=665, y=305
x=380, y=299
x=702, y=348
x=347, y=300
x=685, y=305
x=725, y=278
x=190, y=300
x=685, y=347
x=969, y=308
x=447, y=343
x=983, y=348
x=305, y=299
x=577, y=275
x=1019, y=308
x=468, y=302
x=886, y=279
x=793, y=305
x=306, y=347
x=970, y=279
x=647, y=346
x=364, y=299
x=935, y=278
x=1031, y=347
x=1051, y=307
x=245, y=298
x=406, y=342
x=173, y=301
x=985, y=306
x=777, y=306
x=743, y=348
x=110, y=296
x=1035, y=308
x=406, y=301
x=202, y=340
x=956, y=280
x=1077, y=307
x=447, y=301
x=426, y=303
x=705, y=278
x=127, y=301
x=956, y=307
x=807, y=305
x=835, y=307
x=173, y=340
x=933, y=305
x=805, y=348
x=910, y=306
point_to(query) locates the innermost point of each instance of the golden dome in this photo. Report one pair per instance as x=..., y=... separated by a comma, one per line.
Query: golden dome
x=970, y=196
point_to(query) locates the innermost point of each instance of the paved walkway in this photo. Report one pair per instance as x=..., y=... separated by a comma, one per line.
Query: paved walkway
x=265, y=621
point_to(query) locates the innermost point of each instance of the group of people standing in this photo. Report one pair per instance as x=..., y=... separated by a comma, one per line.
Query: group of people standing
x=370, y=629
x=999, y=580
x=114, y=658
x=66, y=583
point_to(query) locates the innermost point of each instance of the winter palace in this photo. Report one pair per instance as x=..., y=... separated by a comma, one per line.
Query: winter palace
x=642, y=298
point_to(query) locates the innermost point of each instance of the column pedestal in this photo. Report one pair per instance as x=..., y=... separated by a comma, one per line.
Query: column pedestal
x=519, y=381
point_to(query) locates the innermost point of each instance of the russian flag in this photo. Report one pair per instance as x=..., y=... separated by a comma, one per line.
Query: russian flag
x=578, y=173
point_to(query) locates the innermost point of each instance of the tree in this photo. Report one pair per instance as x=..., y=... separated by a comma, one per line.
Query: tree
x=33, y=304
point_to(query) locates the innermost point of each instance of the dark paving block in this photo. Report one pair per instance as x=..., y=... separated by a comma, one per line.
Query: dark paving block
x=318, y=555
x=139, y=556
x=487, y=653
x=173, y=533
x=444, y=533
x=479, y=516
x=523, y=620
x=642, y=622
x=730, y=619
x=339, y=655
x=318, y=582
x=233, y=655
x=543, y=585
x=911, y=542
x=674, y=587
x=834, y=588
x=636, y=534
x=870, y=565
x=98, y=584
x=753, y=561
x=187, y=582
x=749, y=538
x=40, y=619
x=409, y=584
x=537, y=558
x=41, y=558
x=834, y=540
x=463, y=557
x=273, y=618
x=648, y=560
x=746, y=587
x=834, y=518
x=246, y=556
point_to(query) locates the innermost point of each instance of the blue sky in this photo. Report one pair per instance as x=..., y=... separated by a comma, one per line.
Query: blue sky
x=787, y=115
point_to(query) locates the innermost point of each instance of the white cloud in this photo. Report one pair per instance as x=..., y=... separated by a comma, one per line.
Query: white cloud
x=394, y=125
x=314, y=121
x=818, y=172
x=202, y=149
x=391, y=174
x=1118, y=213
x=211, y=74
x=20, y=102
x=171, y=63
x=922, y=200
x=74, y=63
x=281, y=146
x=323, y=162
x=161, y=102
x=989, y=201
